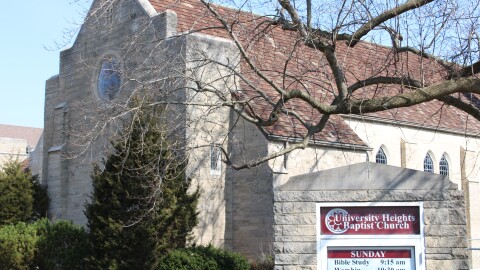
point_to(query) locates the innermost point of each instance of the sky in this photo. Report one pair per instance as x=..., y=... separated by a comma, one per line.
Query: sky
x=31, y=33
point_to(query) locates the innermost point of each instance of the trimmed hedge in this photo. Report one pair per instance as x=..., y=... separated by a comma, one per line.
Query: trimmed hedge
x=203, y=258
x=42, y=245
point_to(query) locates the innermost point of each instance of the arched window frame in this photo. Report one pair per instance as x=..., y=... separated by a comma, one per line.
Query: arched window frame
x=381, y=156
x=109, y=76
x=443, y=166
x=428, y=164
x=215, y=159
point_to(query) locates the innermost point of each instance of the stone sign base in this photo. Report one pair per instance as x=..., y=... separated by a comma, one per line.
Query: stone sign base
x=295, y=217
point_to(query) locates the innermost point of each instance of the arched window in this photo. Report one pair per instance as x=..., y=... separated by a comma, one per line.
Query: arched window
x=215, y=159
x=381, y=157
x=109, y=79
x=443, y=166
x=428, y=163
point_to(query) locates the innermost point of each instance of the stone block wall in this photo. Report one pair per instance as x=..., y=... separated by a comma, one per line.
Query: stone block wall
x=207, y=126
x=77, y=133
x=295, y=218
x=248, y=194
x=153, y=57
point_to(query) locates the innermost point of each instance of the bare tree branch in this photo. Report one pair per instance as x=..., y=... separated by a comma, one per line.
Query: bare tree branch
x=386, y=15
x=469, y=85
x=407, y=82
x=289, y=75
x=469, y=107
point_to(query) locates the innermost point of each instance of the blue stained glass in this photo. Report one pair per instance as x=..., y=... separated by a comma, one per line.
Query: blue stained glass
x=109, y=79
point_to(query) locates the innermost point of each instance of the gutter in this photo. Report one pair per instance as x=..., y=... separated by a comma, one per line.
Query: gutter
x=337, y=145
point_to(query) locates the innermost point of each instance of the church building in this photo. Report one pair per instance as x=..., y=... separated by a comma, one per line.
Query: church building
x=423, y=158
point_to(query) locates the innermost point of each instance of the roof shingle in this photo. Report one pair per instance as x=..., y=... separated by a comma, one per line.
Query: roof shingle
x=291, y=65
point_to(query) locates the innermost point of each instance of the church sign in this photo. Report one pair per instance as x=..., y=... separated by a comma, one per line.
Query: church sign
x=370, y=220
x=379, y=236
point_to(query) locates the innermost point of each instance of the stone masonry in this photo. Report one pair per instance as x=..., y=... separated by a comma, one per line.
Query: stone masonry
x=295, y=211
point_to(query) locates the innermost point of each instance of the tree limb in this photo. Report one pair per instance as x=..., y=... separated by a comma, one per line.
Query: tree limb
x=469, y=108
x=243, y=53
x=295, y=17
x=426, y=55
x=385, y=16
x=464, y=85
x=407, y=82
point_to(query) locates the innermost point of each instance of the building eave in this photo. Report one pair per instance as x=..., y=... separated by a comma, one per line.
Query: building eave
x=317, y=143
x=411, y=125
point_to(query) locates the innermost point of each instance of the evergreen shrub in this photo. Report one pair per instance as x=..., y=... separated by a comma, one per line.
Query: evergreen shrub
x=16, y=194
x=61, y=245
x=42, y=245
x=18, y=246
x=40, y=199
x=22, y=197
x=203, y=258
x=141, y=207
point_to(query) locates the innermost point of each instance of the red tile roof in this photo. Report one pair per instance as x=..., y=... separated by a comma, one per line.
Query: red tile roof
x=275, y=49
x=30, y=134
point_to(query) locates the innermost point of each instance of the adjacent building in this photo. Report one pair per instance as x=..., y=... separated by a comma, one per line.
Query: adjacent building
x=17, y=142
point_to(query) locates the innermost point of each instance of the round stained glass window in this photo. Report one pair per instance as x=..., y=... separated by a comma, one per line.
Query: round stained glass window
x=109, y=79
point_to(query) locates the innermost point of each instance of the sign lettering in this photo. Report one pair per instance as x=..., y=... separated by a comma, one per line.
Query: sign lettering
x=370, y=220
x=363, y=259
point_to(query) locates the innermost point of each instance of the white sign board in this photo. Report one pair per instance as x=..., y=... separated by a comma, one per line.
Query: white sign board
x=368, y=259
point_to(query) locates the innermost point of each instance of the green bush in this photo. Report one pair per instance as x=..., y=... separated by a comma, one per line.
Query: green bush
x=203, y=258
x=184, y=259
x=17, y=246
x=42, y=245
x=22, y=197
x=40, y=199
x=61, y=245
x=16, y=194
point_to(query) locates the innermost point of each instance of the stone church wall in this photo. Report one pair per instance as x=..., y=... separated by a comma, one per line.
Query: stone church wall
x=152, y=56
x=249, y=208
x=207, y=126
x=77, y=128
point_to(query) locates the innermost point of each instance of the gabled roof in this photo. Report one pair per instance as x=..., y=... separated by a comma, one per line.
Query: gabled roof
x=271, y=50
x=30, y=134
